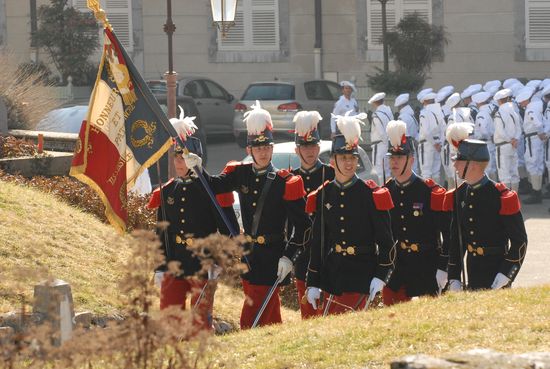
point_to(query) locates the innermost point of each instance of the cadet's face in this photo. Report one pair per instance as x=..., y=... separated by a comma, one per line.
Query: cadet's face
x=262, y=155
x=308, y=154
x=180, y=166
x=397, y=162
x=459, y=167
x=346, y=164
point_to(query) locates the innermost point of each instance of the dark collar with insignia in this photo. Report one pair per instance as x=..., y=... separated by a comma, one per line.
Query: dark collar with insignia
x=411, y=179
x=348, y=184
x=262, y=171
x=483, y=181
x=317, y=165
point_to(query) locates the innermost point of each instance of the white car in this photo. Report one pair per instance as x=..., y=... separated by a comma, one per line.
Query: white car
x=284, y=157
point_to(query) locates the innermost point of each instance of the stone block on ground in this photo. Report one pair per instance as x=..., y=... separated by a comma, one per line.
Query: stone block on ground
x=83, y=319
x=54, y=300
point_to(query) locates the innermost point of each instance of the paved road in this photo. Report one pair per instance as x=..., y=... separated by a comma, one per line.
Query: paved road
x=535, y=270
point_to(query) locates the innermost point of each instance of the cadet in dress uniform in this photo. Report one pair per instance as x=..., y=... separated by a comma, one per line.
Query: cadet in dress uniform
x=378, y=138
x=486, y=224
x=506, y=137
x=268, y=197
x=313, y=173
x=420, y=226
x=533, y=132
x=351, y=219
x=346, y=103
x=190, y=213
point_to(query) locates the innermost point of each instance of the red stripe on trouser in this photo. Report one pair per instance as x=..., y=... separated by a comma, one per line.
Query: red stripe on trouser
x=306, y=309
x=254, y=297
x=346, y=303
x=173, y=292
x=391, y=297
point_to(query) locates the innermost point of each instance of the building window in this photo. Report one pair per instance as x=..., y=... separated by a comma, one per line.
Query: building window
x=256, y=27
x=537, y=24
x=395, y=10
x=119, y=15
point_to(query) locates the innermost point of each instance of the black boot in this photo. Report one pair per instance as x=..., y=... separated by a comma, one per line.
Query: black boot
x=535, y=198
x=525, y=187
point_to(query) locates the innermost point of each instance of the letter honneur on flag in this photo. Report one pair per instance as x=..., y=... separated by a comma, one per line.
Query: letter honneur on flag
x=125, y=131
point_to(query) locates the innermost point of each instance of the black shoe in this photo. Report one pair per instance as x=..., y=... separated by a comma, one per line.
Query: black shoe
x=525, y=187
x=535, y=198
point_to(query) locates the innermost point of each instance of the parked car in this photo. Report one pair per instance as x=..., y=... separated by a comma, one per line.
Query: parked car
x=284, y=157
x=283, y=100
x=213, y=101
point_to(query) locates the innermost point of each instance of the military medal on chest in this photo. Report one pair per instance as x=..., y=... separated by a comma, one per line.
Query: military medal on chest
x=170, y=200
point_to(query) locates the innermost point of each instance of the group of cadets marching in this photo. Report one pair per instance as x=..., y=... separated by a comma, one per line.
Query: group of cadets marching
x=347, y=240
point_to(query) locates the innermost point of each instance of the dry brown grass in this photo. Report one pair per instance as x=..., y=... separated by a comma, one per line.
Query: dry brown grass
x=26, y=96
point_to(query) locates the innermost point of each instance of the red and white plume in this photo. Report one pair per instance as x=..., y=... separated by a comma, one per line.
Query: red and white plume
x=457, y=132
x=306, y=122
x=350, y=126
x=183, y=125
x=397, y=132
x=257, y=120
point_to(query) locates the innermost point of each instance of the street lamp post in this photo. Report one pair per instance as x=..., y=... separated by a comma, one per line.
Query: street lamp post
x=170, y=76
x=384, y=30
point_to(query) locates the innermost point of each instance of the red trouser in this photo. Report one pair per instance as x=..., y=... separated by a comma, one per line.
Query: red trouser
x=174, y=291
x=254, y=297
x=346, y=303
x=391, y=297
x=306, y=309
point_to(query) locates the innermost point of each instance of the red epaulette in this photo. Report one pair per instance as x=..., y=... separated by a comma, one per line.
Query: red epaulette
x=294, y=187
x=449, y=200
x=311, y=202
x=231, y=166
x=225, y=199
x=438, y=195
x=509, y=201
x=381, y=196
x=154, y=201
x=283, y=173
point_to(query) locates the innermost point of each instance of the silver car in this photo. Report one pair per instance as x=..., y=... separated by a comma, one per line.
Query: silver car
x=282, y=100
x=284, y=157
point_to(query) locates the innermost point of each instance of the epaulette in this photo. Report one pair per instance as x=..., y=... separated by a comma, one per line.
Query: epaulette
x=154, y=201
x=311, y=202
x=509, y=201
x=231, y=166
x=225, y=199
x=283, y=173
x=294, y=188
x=449, y=200
x=437, y=196
x=380, y=195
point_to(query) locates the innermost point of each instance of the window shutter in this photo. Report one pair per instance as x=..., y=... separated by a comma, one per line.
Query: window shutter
x=374, y=16
x=265, y=24
x=119, y=15
x=256, y=27
x=81, y=5
x=537, y=14
x=422, y=7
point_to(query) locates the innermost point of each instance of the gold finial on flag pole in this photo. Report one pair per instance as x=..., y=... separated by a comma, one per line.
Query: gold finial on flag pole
x=99, y=13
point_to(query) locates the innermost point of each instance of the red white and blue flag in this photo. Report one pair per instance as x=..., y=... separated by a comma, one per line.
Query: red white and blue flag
x=125, y=131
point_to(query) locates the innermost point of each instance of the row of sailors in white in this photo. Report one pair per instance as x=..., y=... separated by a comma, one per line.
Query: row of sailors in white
x=497, y=121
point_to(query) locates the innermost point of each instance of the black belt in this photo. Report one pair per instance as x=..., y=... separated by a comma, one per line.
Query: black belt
x=346, y=250
x=485, y=250
x=501, y=143
x=531, y=134
x=265, y=239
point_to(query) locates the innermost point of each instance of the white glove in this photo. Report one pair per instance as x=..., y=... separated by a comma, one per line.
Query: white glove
x=500, y=281
x=313, y=294
x=441, y=278
x=285, y=267
x=214, y=271
x=192, y=160
x=376, y=286
x=455, y=285
x=159, y=276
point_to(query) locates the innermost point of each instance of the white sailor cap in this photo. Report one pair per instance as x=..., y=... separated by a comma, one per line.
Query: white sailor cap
x=421, y=94
x=509, y=82
x=453, y=100
x=428, y=96
x=492, y=85
x=470, y=90
x=376, y=97
x=444, y=92
x=348, y=83
x=501, y=94
x=525, y=94
x=534, y=83
x=545, y=82
x=546, y=90
x=481, y=97
x=401, y=99
x=492, y=89
x=516, y=87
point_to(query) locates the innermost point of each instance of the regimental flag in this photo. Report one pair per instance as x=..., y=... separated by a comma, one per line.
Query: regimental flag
x=125, y=131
